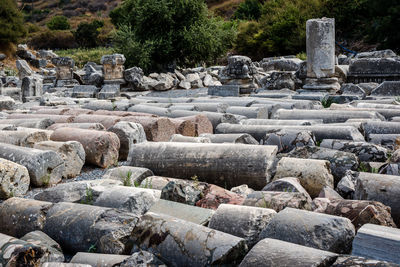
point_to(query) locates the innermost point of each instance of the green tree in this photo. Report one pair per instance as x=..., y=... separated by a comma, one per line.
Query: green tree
x=281, y=29
x=87, y=33
x=170, y=31
x=248, y=10
x=11, y=22
x=58, y=23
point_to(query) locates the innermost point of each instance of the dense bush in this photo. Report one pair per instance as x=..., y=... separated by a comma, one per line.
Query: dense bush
x=248, y=10
x=52, y=40
x=11, y=22
x=164, y=32
x=58, y=23
x=87, y=33
x=280, y=30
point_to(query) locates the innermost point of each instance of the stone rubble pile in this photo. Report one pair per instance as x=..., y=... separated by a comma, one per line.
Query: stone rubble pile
x=274, y=163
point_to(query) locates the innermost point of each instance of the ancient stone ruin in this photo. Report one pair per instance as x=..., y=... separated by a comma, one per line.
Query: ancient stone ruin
x=281, y=162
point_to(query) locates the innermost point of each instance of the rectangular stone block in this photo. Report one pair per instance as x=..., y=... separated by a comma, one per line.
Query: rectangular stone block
x=224, y=90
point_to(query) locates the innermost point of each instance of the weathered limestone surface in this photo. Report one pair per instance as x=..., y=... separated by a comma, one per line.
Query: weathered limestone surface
x=288, y=184
x=312, y=179
x=231, y=138
x=88, y=126
x=41, y=239
x=71, y=152
x=29, y=123
x=129, y=134
x=348, y=261
x=311, y=229
x=377, y=242
x=189, y=139
x=97, y=259
x=272, y=252
x=78, y=227
x=181, y=160
x=101, y=147
x=278, y=200
x=23, y=137
x=16, y=252
x=44, y=167
x=156, y=129
x=360, y=212
x=382, y=188
x=14, y=179
x=242, y=221
x=182, y=243
x=27, y=215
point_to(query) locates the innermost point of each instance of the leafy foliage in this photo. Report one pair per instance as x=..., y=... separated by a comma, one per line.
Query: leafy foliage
x=52, y=40
x=87, y=33
x=156, y=33
x=58, y=23
x=248, y=10
x=11, y=22
x=82, y=55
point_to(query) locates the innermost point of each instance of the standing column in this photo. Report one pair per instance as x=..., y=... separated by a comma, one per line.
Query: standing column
x=321, y=55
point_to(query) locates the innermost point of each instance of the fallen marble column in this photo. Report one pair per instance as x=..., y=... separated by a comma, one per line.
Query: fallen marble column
x=279, y=122
x=212, y=107
x=129, y=134
x=386, y=140
x=131, y=199
x=320, y=131
x=8, y=127
x=156, y=129
x=39, y=238
x=181, y=243
x=88, y=126
x=182, y=211
x=189, y=139
x=288, y=184
x=363, y=150
x=83, y=192
x=312, y=179
x=55, y=118
x=360, y=212
x=16, y=252
x=184, y=127
x=241, y=221
x=377, y=242
x=25, y=137
x=214, y=117
x=231, y=138
x=381, y=127
x=72, y=152
x=311, y=229
x=122, y=113
x=382, y=188
x=130, y=176
x=29, y=123
x=340, y=161
x=202, y=124
x=19, y=216
x=157, y=182
x=101, y=147
x=164, y=112
x=181, y=160
x=45, y=168
x=64, y=111
x=14, y=179
x=286, y=140
x=350, y=261
x=328, y=116
x=272, y=252
x=97, y=259
x=250, y=112
x=60, y=264
x=278, y=200
x=83, y=227
x=106, y=121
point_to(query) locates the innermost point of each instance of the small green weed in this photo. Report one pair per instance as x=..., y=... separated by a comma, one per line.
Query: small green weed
x=88, y=197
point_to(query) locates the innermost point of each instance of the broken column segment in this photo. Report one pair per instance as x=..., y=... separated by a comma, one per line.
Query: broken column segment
x=45, y=167
x=321, y=55
x=241, y=221
x=101, y=147
x=211, y=163
x=14, y=179
x=311, y=229
x=182, y=243
x=377, y=242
